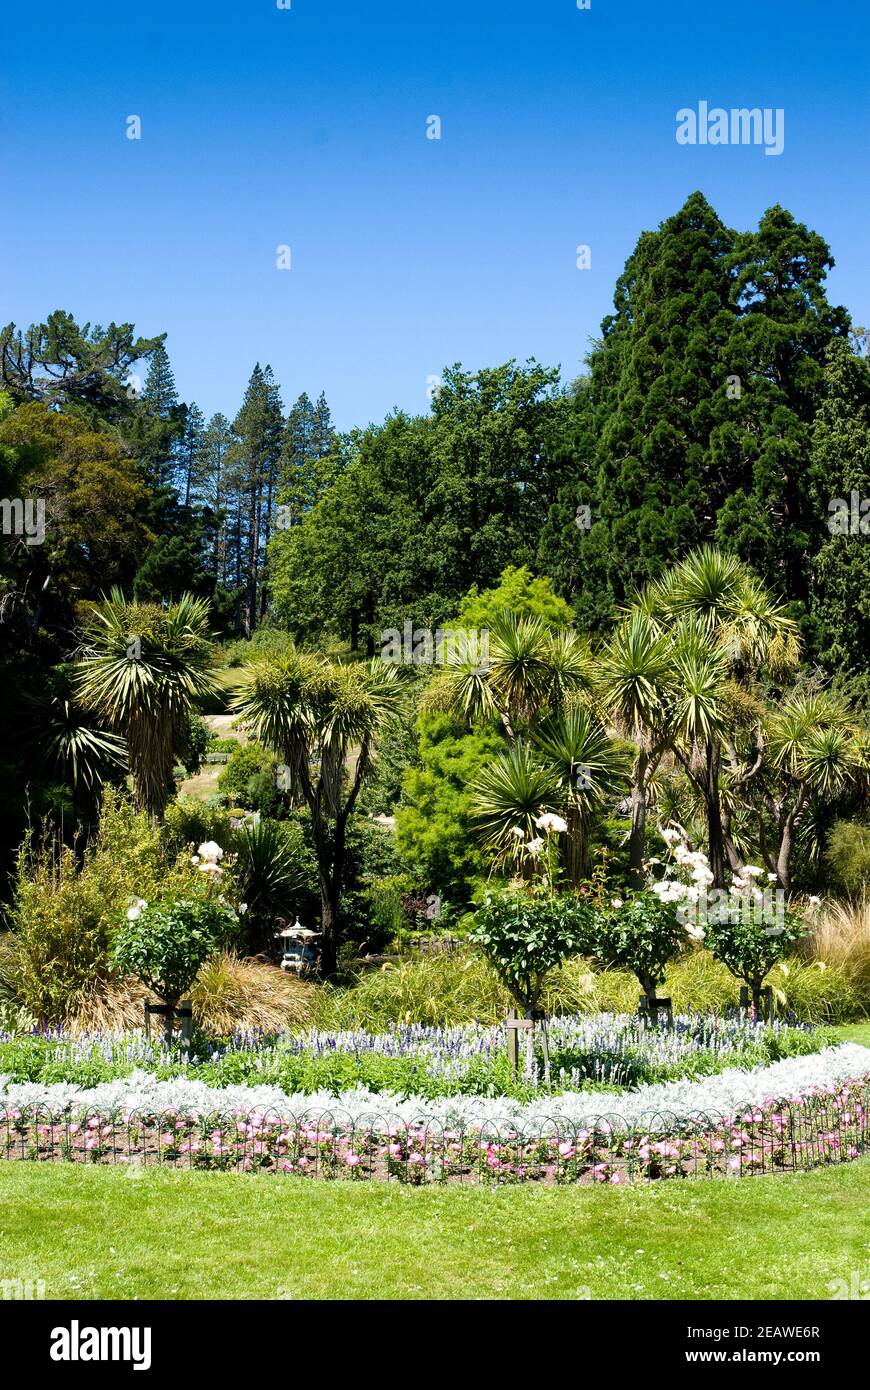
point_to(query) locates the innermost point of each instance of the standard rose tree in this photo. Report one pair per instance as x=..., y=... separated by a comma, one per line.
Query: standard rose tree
x=163, y=944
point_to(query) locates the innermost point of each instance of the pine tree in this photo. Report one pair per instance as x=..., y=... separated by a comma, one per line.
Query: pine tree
x=297, y=448
x=216, y=490
x=159, y=420
x=259, y=426
x=188, y=453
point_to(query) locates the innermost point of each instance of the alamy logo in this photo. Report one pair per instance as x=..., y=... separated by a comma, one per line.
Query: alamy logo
x=850, y=518
x=76, y=1343
x=445, y=647
x=23, y=518
x=741, y=125
x=22, y=1290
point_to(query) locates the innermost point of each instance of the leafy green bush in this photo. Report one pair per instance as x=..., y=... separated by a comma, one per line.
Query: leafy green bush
x=268, y=879
x=64, y=911
x=216, y=744
x=165, y=943
x=195, y=745
x=187, y=823
x=524, y=937
x=250, y=778
x=750, y=948
x=266, y=640
x=641, y=934
x=433, y=828
x=847, y=855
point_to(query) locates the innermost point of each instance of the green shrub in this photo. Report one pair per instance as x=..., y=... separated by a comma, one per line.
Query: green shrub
x=433, y=826
x=62, y=925
x=250, y=778
x=195, y=745
x=751, y=947
x=163, y=944
x=265, y=641
x=216, y=744
x=847, y=855
x=188, y=822
x=64, y=910
x=268, y=880
x=641, y=934
x=524, y=937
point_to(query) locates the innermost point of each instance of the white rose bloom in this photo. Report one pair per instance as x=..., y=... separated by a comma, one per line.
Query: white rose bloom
x=518, y=832
x=752, y=871
x=211, y=851
x=243, y=907
x=535, y=846
x=549, y=822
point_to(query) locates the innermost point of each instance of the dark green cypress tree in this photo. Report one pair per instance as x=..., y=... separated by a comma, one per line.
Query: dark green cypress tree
x=643, y=421
x=695, y=420
x=840, y=571
x=783, y=330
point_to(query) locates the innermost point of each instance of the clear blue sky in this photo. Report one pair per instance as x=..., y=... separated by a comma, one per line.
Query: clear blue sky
x=307, y=127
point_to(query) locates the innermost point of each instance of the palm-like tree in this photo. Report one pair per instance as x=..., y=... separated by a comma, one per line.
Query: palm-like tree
x=510, y=793
x=82, y=754
x=570, y=766
x=530, y=669
x=323, y=719
x=634, y=683
x=816, y=753
x=142, y=669
x=590, y=767
x=717, y=612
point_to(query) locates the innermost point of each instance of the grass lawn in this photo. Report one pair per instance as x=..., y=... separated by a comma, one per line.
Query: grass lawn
x=855, y=1032
x=98, y=1233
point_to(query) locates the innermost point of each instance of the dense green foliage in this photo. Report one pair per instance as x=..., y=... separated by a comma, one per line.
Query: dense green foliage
x=163, y=944
x=672, y=621
x=643, y=935
x=524, y=937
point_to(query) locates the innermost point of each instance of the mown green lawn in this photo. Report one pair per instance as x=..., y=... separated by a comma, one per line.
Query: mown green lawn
x=98, y=1233
x=855, y=1032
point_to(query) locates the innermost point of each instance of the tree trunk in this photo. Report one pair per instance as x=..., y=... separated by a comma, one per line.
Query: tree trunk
x=576, y=847
x=329, y=927
x=637, y=835
x=715, y=832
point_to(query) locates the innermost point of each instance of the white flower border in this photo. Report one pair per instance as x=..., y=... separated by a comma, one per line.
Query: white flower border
x=655, y=1107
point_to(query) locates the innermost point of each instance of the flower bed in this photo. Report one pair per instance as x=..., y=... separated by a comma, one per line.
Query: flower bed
x=786, y=1117
x=613, y=1051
